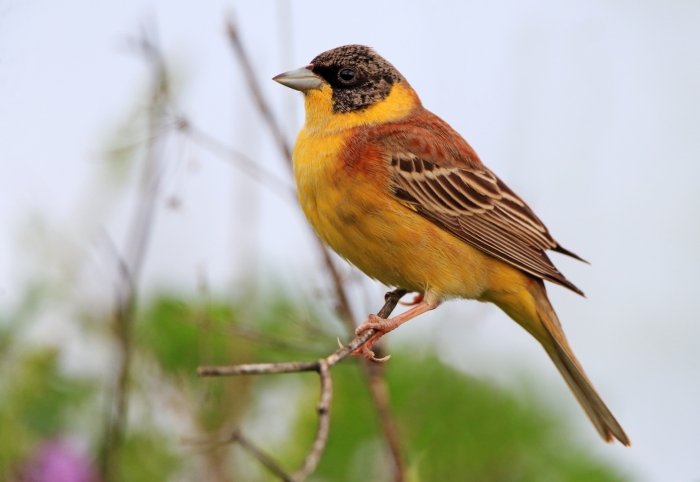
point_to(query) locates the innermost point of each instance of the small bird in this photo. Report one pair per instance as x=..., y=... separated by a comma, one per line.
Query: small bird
x=397, y=192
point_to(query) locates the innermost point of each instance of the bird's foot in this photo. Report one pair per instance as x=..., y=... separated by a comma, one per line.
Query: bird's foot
x=381, y=327
x=416, y=299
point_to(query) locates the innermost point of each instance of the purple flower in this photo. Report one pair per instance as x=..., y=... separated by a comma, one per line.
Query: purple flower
x=56, y=461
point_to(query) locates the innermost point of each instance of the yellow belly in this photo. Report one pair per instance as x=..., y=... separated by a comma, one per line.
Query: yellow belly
x=355, y=215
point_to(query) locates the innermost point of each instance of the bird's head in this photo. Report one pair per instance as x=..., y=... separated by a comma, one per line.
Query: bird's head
x=354, y=82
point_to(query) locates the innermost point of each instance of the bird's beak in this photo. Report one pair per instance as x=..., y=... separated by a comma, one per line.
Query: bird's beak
x=302, y=79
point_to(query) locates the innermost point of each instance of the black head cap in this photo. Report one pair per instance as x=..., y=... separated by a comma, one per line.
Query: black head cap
x=358, y=76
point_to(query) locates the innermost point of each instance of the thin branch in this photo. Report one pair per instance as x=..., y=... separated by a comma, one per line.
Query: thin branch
x=243, y=162
x=392, y=299
x=324, y=424
x=254, y=86
x=236, y=437
x=269, y=463
x=257, y=369
x=380, y=396
x=343, y=306
x=139, y=234
x=321, y=366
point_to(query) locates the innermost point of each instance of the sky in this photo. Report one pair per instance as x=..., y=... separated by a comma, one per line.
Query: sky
x=590, y=111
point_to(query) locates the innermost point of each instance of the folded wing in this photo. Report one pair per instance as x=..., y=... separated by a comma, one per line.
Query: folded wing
x=477, y=207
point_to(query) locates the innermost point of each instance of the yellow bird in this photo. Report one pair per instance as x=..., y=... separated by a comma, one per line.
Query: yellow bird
x=394, y=190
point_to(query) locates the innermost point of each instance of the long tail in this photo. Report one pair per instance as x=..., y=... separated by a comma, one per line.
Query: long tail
x=557, y=347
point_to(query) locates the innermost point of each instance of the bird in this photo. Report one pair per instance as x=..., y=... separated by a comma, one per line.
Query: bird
x=398, y=193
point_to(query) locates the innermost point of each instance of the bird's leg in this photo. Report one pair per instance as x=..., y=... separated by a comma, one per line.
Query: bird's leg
x=383, y=326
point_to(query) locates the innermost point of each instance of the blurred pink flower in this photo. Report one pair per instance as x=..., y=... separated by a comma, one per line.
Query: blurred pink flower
x=56, y=461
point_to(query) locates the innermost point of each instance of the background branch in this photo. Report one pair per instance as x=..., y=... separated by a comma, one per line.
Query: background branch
x=130, y=267
x=269, y=463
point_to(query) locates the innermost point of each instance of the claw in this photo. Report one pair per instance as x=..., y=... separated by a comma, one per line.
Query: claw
x=374, y=359
x=366, y=349
x=340, y=344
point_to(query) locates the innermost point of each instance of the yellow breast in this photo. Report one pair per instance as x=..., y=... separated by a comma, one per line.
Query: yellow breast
x=354, y=213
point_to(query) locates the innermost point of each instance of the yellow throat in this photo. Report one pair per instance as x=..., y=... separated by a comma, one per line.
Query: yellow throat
x=318, y=104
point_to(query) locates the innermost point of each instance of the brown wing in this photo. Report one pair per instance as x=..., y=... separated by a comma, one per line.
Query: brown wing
x=477, y=207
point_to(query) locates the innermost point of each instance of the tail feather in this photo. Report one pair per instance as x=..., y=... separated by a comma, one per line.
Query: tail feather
x=559, y=351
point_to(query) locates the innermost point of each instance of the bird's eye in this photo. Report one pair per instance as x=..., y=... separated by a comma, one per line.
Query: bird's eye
x=346, y=75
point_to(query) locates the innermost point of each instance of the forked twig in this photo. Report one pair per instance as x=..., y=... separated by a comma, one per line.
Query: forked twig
x=321, y=366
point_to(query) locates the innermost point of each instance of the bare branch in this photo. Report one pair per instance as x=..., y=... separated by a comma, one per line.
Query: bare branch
x=263, y=457
x=139, y=234
x=254, y=87
x=392, y=299
x=324, y=424
x=257, y=369
x=243, y=162
x=380, y=396
x=235, y=436
x=321, y=366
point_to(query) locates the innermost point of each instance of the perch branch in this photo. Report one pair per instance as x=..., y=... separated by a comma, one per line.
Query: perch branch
x=321, y=366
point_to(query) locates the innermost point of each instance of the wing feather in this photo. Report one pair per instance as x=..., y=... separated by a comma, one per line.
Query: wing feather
x=476, y=206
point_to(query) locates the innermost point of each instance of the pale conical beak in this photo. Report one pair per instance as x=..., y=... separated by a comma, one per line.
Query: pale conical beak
x=302, y=79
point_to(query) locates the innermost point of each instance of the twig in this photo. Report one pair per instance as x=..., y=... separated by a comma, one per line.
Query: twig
x=391, y=300
x=236, y=437
x=380, y=396
x=321, y=366
x=242, y=161
x=254, y=86
x=324, y=424
x=130, y=267
x=259, y=454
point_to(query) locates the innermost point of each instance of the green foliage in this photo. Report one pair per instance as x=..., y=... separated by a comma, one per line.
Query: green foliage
x=183, y=337
x=36, y=402
x=461, y=426
x=452, y=427
x=148, y=456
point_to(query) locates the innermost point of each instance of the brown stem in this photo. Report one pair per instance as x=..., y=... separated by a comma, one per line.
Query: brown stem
x=254, y=86
x=130, y=268
x=324, y=423
x=380, y=396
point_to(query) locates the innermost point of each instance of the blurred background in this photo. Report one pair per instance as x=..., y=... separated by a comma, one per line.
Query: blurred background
x=149, y=226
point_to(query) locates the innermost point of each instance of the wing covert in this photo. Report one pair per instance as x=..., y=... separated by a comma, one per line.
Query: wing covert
x=476, y=206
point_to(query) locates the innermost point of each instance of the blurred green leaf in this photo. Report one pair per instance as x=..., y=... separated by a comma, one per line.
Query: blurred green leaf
x=36, y=402
x=452, y=427
x=183, y=337
x=147, y=457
